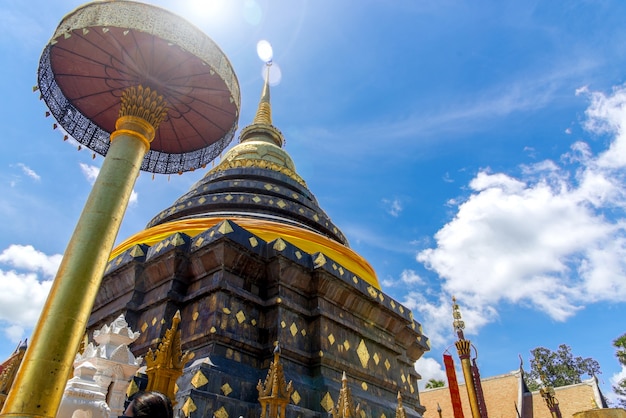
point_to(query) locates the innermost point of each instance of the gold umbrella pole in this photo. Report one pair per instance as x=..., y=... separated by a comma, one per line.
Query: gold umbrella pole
x=41, y=379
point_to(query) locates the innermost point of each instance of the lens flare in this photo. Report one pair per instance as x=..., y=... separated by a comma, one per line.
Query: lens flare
x=275, y=74
x=264, y=50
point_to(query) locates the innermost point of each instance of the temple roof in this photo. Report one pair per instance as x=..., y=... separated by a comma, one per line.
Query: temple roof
x=255, y=179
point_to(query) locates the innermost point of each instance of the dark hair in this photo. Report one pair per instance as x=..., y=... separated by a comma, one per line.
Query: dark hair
x=153, y=405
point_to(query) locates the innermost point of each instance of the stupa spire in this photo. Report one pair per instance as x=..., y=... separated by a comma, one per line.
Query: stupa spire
x=264, y=111
x=261, y=128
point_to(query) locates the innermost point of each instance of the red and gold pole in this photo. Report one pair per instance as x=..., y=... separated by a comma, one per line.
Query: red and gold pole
x=47, y=364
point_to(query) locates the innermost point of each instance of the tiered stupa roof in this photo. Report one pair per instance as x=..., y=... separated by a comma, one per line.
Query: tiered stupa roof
x=257, y=187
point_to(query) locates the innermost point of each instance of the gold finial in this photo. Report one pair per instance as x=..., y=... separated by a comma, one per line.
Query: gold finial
x=165, y=365
x=261, y=128
x=345, y=407
x=400, y=409
x=274, y=393
x=458, y=324
x=264, y=111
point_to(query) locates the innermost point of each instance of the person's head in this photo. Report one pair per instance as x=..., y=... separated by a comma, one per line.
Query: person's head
x=150, y=404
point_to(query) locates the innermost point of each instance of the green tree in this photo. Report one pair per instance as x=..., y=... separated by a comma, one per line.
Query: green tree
x=434, y=383
x=558, y=368
x=620, y=387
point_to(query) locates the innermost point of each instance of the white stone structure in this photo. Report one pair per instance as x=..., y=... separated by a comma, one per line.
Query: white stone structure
x=114, y=366
x=83, y=397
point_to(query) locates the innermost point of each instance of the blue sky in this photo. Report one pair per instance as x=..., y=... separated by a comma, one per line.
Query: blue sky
x=475, y=149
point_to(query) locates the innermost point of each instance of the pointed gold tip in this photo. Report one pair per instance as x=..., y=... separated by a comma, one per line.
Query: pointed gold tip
x=264, y=111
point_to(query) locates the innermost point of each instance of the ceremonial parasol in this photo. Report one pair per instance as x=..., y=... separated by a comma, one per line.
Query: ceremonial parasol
x=149, y=91
x=103, y=48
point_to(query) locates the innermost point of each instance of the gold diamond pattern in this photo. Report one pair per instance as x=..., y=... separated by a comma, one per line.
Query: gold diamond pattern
x=241, y=316
x=199, y=379
x=363, y=353
x=212, y=330
x=346, y=345
x=298, y=255
x=195, y=315
x=228, y=198
x=188, y=407
x=281, y=204
x=268, y=186
x=279, y=245
x=393, y=304
x=376, y=358
x=136, y=251
x=383, y=415
x=387, y=364
x=202, y=200
x=364, y=386
x=226, y=389
x=221, y=413
x=175, y=387
x=373, y=293
x=177, y=240
x=253, y=322
x=225, y=228
x=355, y=279
x=341, y=271
x=199, y=242
x=154, y=321
x=282, y=324
x=253, y=242
x=144, y=327
x=293, y=329
x=331, y=339
x=327, y=402
x=226, y=311
x=320, y=260
x=295, y=397
x=403, y=378
x=256, y=199
x=303, y=332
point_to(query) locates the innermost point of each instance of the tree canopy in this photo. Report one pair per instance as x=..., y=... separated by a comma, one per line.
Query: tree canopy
x=558, y=368
x=434, y=383
x=620, y=387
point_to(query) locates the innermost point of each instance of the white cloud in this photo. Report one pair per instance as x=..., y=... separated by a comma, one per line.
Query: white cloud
x=429, y=368
x=90, y=172
x=14, y=333
x=25, y=257
x=411, y=277
x=22, y=291
x=29, y=172
x=393, y=207
x=553, y=239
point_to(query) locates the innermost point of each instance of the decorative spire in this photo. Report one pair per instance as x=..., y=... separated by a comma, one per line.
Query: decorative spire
x=8, y=370
x=345, y=407
x=165, y=365
x=274, y=393
x=261, y=128
x=264, y=111
x=400, y=409
x=458, y=324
